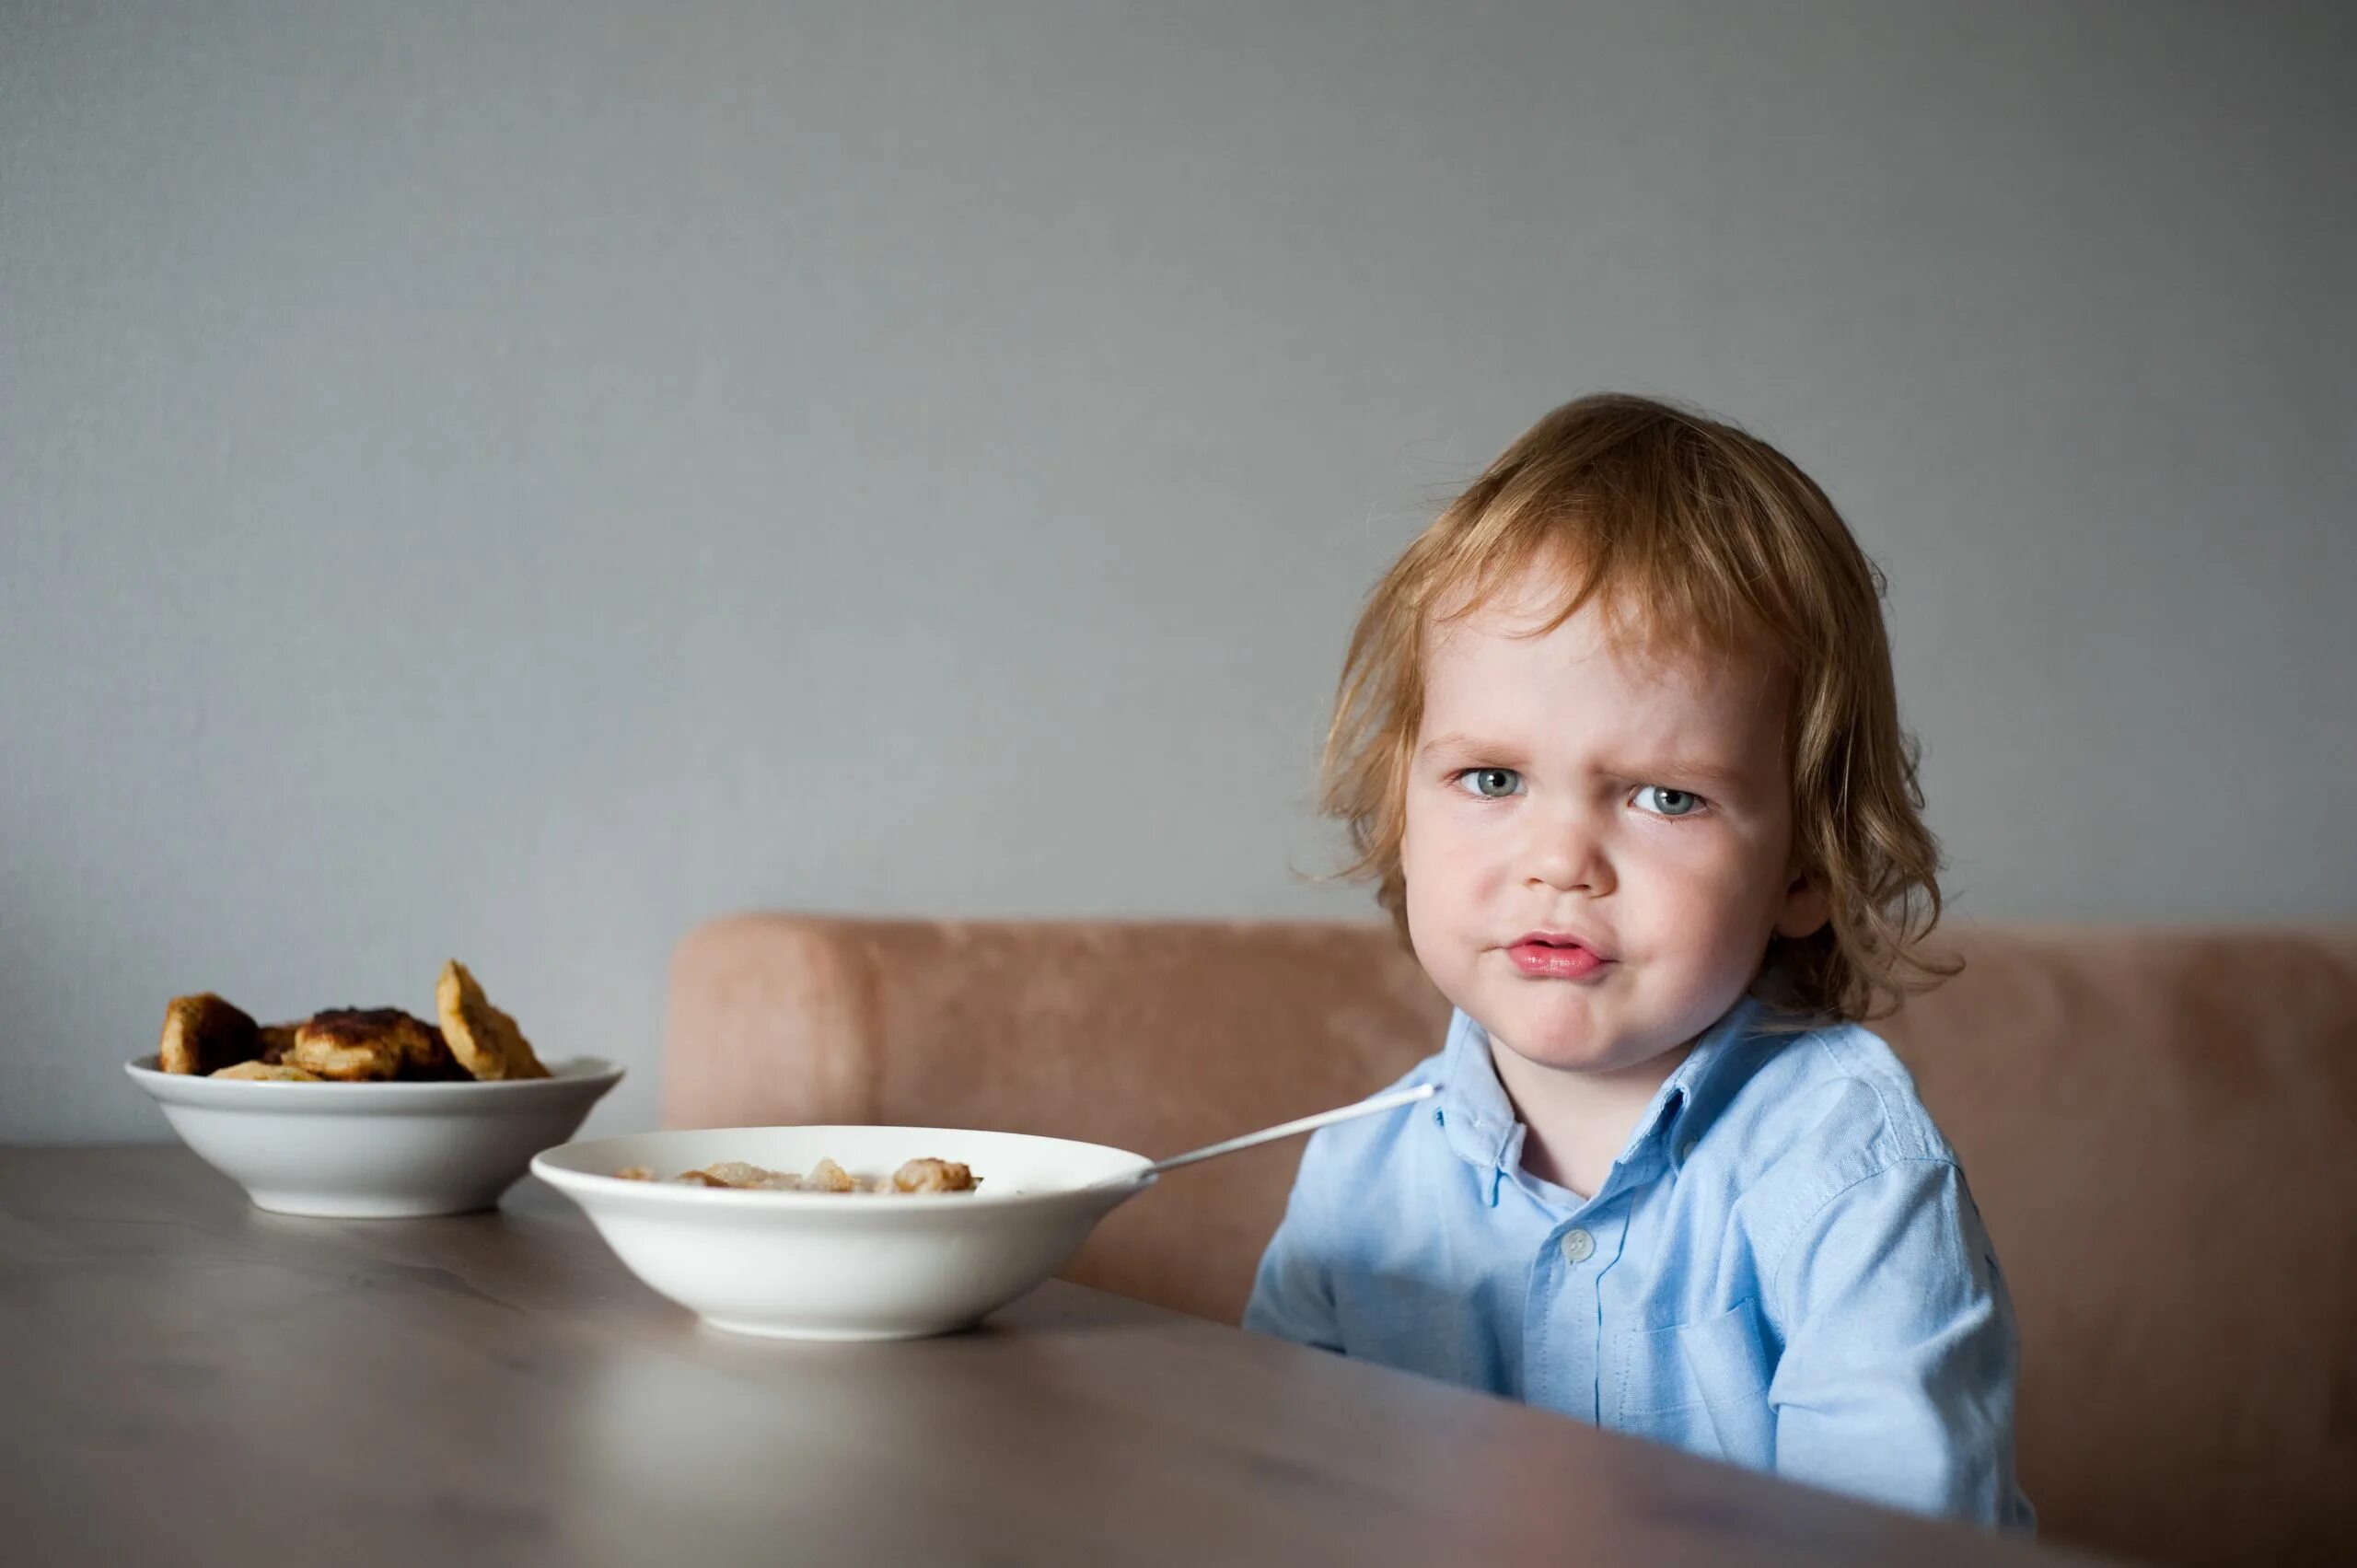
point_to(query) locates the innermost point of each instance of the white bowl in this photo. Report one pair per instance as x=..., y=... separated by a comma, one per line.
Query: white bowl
x=374, y=1151
x=850, y=1265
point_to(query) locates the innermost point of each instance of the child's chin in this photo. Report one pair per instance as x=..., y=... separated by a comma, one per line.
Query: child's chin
x=1567, y=1056
x=1570, y=1045
x=1576, y=1044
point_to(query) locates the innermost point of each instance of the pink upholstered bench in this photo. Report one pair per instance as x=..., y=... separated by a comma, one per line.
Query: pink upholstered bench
x=2161, y=1128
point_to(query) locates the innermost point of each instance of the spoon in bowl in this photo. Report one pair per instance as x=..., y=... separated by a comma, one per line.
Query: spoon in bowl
x=1285, y=1129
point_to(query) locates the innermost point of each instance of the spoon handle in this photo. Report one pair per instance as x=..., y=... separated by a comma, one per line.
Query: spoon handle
x=1308, y=1123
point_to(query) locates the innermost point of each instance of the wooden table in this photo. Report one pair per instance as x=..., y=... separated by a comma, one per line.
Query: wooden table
x=186, y=1379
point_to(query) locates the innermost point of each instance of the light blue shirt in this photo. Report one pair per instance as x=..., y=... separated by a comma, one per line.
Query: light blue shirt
x=1783, y=1269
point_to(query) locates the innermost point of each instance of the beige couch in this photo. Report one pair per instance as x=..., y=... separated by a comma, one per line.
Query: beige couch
x=2158, y=1125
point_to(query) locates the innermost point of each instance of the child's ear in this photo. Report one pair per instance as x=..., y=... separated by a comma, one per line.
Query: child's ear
x=1806, y=908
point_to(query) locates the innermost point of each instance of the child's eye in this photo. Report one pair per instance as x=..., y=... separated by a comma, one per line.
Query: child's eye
x=1663, y=802
x=1490, y=783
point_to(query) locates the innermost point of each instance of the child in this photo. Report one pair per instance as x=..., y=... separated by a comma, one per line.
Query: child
x=1618, y=741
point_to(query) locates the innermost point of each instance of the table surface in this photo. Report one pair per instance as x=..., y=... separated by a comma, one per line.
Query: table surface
x=187, y=1379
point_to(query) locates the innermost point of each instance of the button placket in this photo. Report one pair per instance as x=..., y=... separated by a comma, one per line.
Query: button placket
x=1562, y=1350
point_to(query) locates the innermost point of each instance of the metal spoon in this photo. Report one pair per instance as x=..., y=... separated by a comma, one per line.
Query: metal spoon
x=1286, y=1130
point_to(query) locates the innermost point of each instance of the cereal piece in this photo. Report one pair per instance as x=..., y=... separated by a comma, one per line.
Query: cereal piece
x=828, y=1177
x=485, y=1040
x=203, y=1034
x=635, y=1173
x=743, y=1176
x=934, y=1176
x=267, y=1072
x=735, y=1173
x=916, y=1175
x=355, y=1045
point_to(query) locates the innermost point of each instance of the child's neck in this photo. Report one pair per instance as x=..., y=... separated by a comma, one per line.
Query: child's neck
x=1577, y=1124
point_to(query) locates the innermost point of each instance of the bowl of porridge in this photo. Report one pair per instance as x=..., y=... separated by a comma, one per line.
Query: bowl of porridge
x=842, y=1233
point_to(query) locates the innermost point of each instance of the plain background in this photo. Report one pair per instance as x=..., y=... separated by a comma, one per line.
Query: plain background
x=512, y=481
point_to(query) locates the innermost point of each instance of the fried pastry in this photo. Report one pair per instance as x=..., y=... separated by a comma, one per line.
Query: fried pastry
x=485, y=1040
x=429, y=1055
x=357, y=1045
x=203, y=1034
x=267, y=1072
x=277, y=1039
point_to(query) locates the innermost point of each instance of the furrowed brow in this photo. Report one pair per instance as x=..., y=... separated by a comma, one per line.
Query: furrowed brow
x=1707, y=778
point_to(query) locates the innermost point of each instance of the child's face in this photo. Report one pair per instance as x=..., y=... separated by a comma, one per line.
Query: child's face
x=1638, y=812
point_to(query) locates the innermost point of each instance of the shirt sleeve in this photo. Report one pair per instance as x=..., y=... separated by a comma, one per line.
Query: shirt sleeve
x=1896, y=1379
x=1292, y=1295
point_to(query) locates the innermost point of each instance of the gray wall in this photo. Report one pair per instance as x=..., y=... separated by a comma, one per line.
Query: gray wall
x=513, y=481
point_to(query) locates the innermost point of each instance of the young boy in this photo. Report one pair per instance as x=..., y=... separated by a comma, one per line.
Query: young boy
x=1617, y=739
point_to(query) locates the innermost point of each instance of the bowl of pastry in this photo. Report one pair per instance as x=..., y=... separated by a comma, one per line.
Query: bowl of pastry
x=368, y=1113
x=842, y=1233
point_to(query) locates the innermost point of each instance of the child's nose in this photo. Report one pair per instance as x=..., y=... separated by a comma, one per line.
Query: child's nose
x=1565, y=854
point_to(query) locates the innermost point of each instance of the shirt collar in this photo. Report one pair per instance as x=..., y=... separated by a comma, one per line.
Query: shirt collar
x=1480, y=1120
x=1473, y=1110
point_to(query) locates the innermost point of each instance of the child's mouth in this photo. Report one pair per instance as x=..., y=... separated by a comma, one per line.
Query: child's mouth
x=1544, y=959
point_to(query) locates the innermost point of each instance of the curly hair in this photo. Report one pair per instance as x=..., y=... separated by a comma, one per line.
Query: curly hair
x=1686, y=531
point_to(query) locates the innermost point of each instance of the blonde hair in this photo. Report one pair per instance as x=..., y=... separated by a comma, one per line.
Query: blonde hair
x=1685, y=529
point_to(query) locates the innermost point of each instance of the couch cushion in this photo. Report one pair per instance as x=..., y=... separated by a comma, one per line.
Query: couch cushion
x=1157, y=1038
x=2157, y=1124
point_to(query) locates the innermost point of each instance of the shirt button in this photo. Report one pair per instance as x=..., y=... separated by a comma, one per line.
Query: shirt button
x=1578, y=1246
x=1686, y=1151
